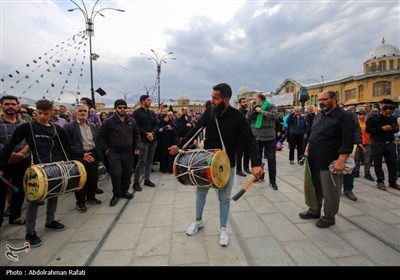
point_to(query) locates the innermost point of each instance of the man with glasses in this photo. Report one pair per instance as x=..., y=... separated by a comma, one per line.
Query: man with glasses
x=118, y=138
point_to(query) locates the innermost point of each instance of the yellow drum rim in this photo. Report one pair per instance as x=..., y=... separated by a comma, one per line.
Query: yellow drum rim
x=82, y=172
x=35, y=192
x=220, y=169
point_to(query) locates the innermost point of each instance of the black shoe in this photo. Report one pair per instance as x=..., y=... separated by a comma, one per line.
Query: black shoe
x=99, y=191
x=350, y=195
x=273, y=186
x=369, y=177
x=33, y=240
x=54, y=225
x=395, y=186
x=81, y=208
x=324, y=223
x=309, y=215
x=114, y=200
x=356, y=175
x=93, y=201
x=247, y=171
x=241, y=173
x=127, y=195
x=149, y=183
x=137, y=187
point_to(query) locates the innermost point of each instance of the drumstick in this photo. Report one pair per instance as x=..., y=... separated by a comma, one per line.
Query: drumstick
x=244, y=189
x=8, y=183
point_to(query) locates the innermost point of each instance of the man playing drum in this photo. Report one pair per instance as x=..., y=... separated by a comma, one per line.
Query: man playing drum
x=233, y=127
x=45, y=148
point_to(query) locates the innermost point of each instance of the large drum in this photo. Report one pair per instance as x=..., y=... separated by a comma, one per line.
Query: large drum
x=53, y=179
x=202, y=168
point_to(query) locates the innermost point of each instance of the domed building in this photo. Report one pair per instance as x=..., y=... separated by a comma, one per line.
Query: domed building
x=380, y=79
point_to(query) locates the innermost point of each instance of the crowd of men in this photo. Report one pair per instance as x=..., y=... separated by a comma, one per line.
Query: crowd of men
x=128, y=142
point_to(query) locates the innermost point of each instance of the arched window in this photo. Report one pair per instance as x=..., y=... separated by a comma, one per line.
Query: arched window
x=381, y=89
x=361, y=93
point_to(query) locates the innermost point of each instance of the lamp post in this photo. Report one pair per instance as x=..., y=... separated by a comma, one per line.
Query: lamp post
x=303, y=97
x=158, y=62
x=89, y=20
x=125, y=94
x=321, y=84
x=75, y=94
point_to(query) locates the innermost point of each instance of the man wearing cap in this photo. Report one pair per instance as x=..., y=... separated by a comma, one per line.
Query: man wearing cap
x=118, y=138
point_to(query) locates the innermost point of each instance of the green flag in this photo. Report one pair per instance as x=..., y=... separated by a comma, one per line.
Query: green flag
x=309, y=191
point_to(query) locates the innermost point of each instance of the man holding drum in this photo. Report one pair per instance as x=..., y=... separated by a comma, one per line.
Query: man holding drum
x=41, y=136
x=233, y=127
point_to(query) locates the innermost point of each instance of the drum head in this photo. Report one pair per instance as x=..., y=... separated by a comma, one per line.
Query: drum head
x=220, y=169
x=35, y=183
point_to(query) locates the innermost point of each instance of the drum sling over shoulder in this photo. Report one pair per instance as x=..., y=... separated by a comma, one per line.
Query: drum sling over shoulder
x=203, y=168
x=45, y=180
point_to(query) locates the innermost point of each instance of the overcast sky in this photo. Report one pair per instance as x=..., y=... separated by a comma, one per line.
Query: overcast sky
x=254, y=43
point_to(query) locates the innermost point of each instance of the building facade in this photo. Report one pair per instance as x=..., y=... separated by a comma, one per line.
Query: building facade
x=380, y=79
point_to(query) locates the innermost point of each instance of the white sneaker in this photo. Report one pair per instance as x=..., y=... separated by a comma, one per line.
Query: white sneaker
x=194, y=227
x=223, y=237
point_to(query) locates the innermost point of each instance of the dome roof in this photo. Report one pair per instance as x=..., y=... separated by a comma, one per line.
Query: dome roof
x=384, y=50
x=183, y=97
x=242, y=90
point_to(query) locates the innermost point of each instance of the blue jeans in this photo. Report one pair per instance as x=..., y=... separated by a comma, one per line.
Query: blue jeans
x=224, y=196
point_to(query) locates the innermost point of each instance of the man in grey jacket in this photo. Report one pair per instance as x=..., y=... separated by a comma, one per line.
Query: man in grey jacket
x=262, y=116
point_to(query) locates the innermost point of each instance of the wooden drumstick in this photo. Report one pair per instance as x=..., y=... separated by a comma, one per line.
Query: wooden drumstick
x=8, y=183
x=244, y=189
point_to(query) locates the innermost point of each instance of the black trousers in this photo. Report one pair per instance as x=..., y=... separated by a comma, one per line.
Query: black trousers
x=242, y=153
x=15, y=173
x=92, y=176
x=270, y=147
x=382, y=150
x=296, y=141
x=121, y=163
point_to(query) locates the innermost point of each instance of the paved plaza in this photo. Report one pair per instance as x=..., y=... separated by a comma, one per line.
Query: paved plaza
x=264, y=228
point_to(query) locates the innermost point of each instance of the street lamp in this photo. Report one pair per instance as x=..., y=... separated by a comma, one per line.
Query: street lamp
x=125, y=94
x=158, y=62
x=75, y=94
x=303, y=97
x=89, y=20
x=320, y=84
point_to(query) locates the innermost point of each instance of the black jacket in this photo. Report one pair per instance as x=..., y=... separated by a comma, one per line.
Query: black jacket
x=73, y=132
x=146, y=121
x=116, y=135
x=44, y=146
x=233, y=126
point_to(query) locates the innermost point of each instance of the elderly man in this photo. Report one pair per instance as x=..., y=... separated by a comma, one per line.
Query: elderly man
x=55, y=116
x=82, y=137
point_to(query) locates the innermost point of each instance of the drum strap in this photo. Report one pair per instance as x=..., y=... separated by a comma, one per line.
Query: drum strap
x=34, y=142
x=220, y=136
x=191, y=139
